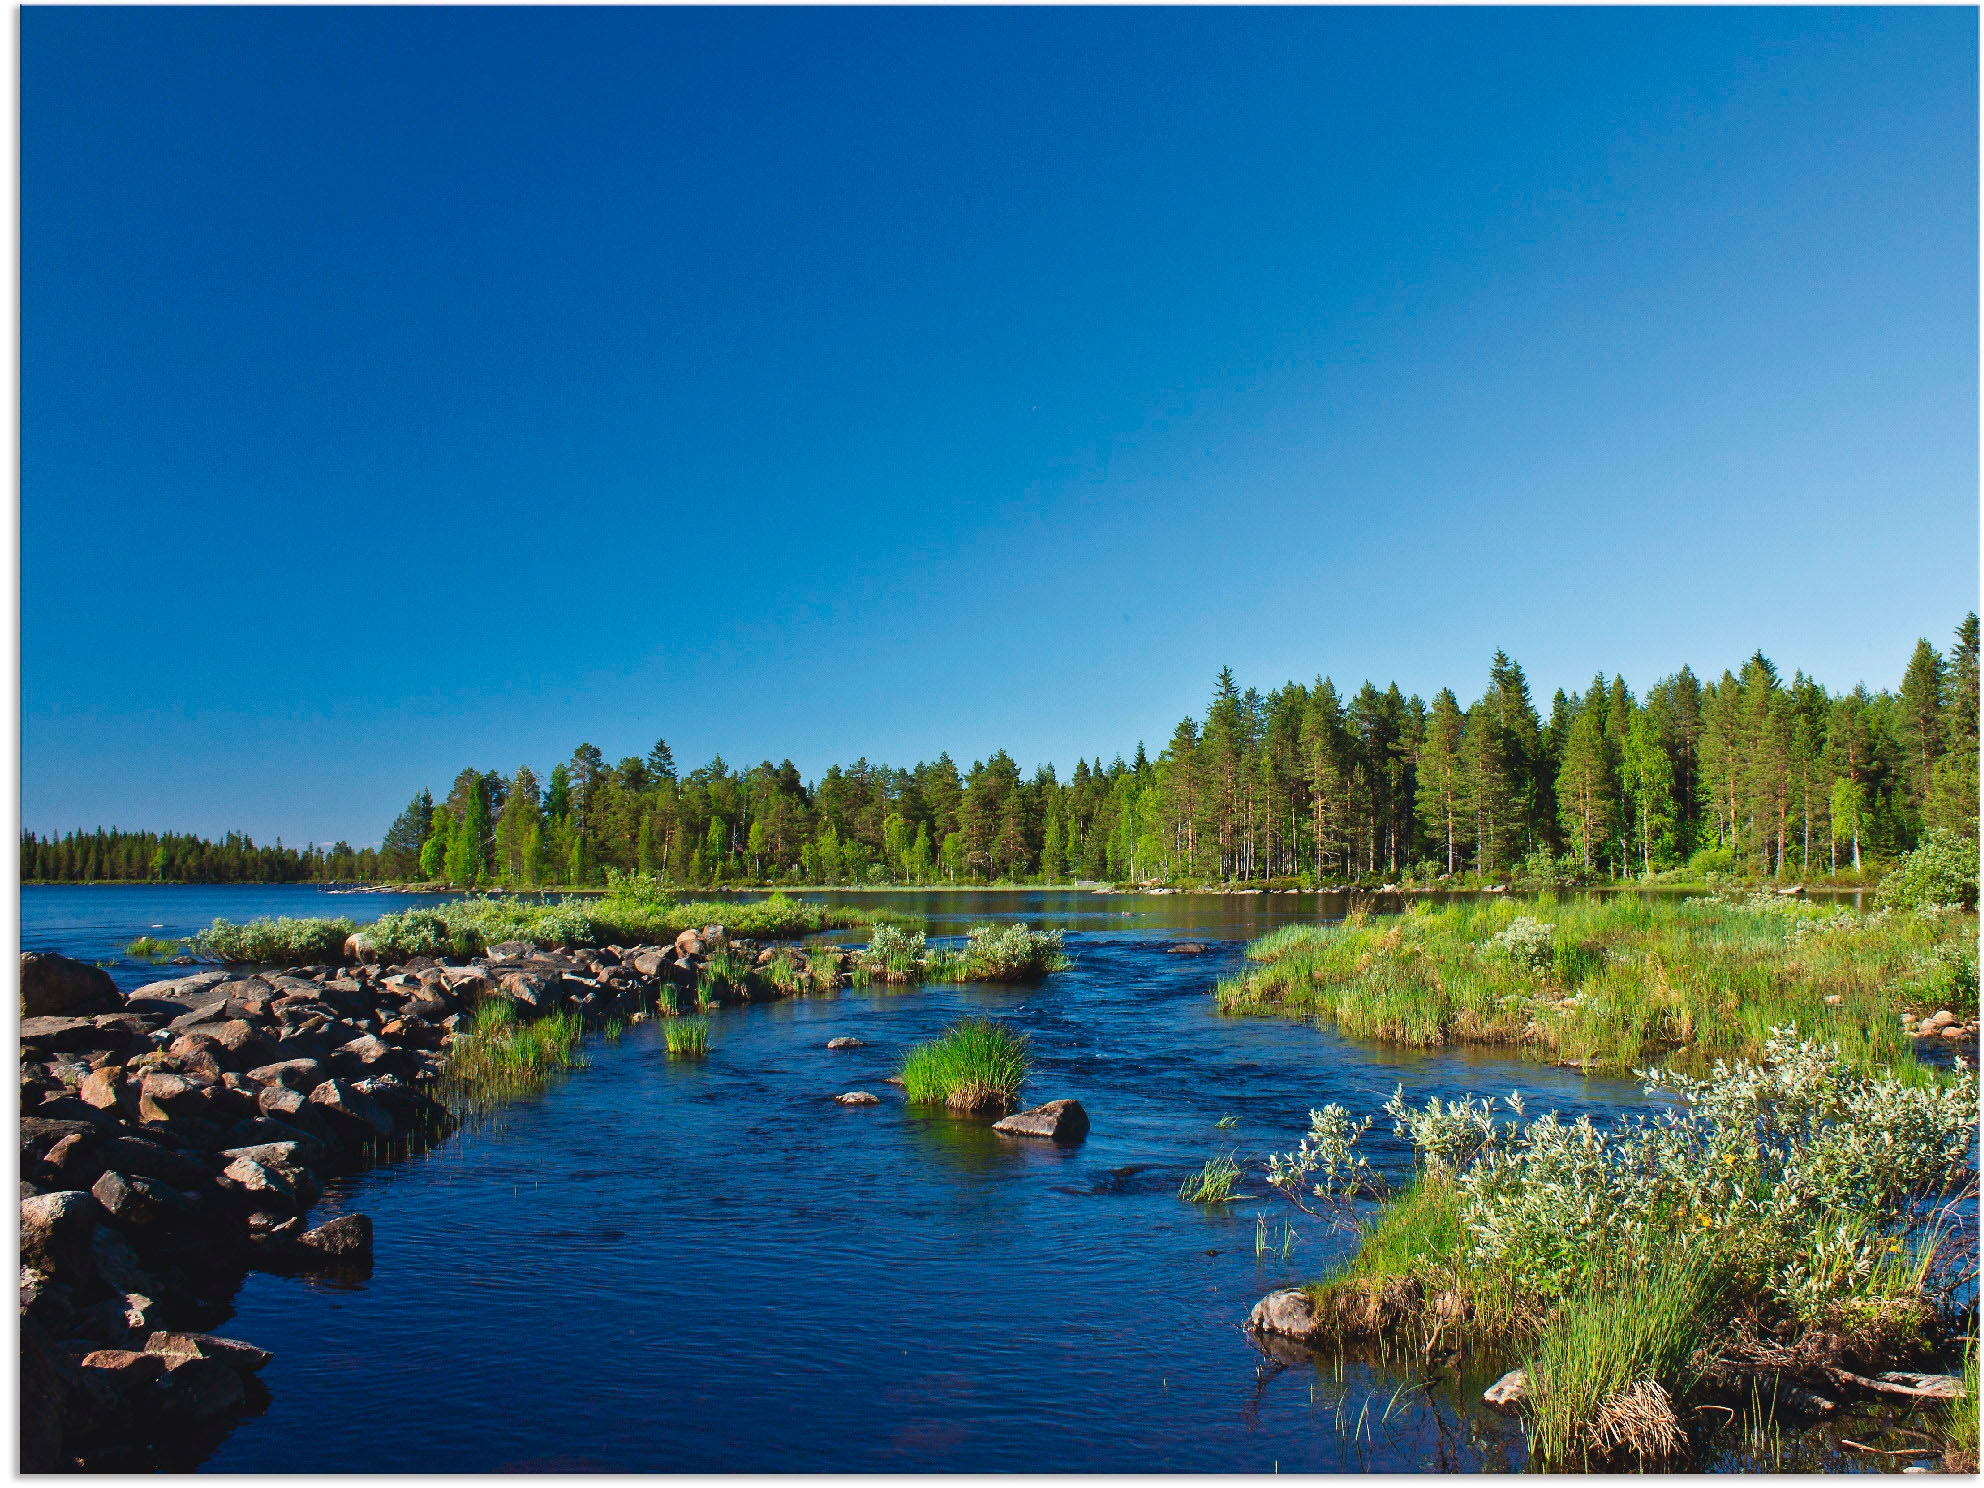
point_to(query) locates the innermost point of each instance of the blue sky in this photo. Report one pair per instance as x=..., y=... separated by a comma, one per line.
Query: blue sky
x=406, y=389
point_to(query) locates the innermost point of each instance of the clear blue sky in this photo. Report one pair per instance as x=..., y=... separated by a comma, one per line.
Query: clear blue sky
x=406, y=389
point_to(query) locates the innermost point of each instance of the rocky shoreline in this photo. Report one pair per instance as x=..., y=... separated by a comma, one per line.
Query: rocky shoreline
x=178, y=1138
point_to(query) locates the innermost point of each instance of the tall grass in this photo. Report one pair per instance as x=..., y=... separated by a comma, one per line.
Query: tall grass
x=688, y=1038
x=154, y=948
x=282, y=941
x=1960, y=1420
x=1214, y=1183
x=1618, y=983
x=502, y=1058
x=976, y=1065
x=1619, y=1351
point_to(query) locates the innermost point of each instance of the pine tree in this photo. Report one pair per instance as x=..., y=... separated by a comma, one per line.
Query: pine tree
x=1922, y=728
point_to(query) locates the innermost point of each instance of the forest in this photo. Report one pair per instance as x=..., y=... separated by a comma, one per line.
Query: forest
x=1749, y=774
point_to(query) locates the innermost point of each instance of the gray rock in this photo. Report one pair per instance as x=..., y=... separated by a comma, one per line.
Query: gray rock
x=1288, y=1313
x=858, y=1098
x=846, y=1042
x=50, y=1035
x=1185, y=948
x=207, y=1346
x=53, y=986
x=1057, y=1121
x=355, y=1111
x=1508, y=1392
x=1940, y=1386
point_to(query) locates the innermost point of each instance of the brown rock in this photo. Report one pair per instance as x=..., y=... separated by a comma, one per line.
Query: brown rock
x=101, y=1088
x=1056, y=1121
x=1288, y=1313
x=161, y=1097
x=55, y=986
x=689, y=943
x=57, y=1234
x=1508, y=1392
x=346, y=1239
x=208, y=1346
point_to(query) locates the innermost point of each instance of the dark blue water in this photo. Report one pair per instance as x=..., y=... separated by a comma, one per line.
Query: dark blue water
x=671, y=1266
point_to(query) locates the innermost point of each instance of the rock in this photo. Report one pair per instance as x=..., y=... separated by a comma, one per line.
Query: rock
x=1288, y=1313
x=128, y=1370
x=266, y=1179
x=688, y=943
x=1791, y=891
x=1942, y=1018
x=528, y=988
x=137, y=1202
x=352, y=1110
x=76, y=1161
x=1833, y=999
x=101, y=1088
x=892, y=1079
x=1057, y=1121
x=164, y=1096
x=300, y=1075
x=1952, y=1032
x=44, y=1396
x=117, y=1265
x=846, y=1041
x=358, y=947
x=1185, y=948
x=858, y=1098
x=39, y=1134
x=243, y=1045
x=201, y=1388
x=207, y=1346
x=57, y=1231
x=512, y=950
x=135, y=1154
x=210, y=1012
x=53, y=986
x=345, y=1240
x=44, y=1036
x=1508, y=1392
x=715, y=936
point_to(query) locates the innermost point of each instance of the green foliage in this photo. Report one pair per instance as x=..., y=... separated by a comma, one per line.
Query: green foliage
x=893, y=955
x=976, y=1065
x=279, y=942
x=503, y=1058
x=687, y=1038
x=1214, y=1183
x=153, y=948
x=1000, y=953
x=1629, y=980
x=1960, y=1419
x=1942, y=871
x=1618, y=1353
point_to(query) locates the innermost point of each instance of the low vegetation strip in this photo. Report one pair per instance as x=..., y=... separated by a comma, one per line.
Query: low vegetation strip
x=1612, y=982
x=991, y=953
x=1791, y=1217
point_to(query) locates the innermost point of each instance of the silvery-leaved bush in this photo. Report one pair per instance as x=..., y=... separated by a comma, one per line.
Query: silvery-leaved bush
x=1809, y=1176
x=1527, y=942
x=1327, y=1149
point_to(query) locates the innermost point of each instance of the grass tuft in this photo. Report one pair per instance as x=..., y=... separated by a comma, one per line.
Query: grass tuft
x=1214, y=1183
x=688, y=1038
x=976, y=1065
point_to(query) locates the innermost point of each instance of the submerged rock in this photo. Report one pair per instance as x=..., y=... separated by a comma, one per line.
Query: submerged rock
x=1057, y=1121
x=1508, y=1392
x=1185, y=948
x=846, y=1042
x=858, y=1098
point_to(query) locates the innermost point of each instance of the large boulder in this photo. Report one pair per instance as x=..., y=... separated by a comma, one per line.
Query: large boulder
x=58, y=1231
x=53, y=986
x=1057, y=1121
x=344, y=1241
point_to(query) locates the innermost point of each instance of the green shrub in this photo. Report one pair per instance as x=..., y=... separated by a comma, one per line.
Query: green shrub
x=280, y=942
x=893, y=955
x=976, y=1065
x=1943, y=870
x=996, y=953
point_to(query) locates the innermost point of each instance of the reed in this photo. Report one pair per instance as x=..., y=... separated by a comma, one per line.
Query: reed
x=1214, y=1183
x=976, y=1065
x=688, y=1038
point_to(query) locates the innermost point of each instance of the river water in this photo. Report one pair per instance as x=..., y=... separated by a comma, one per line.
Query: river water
x=671, y=1266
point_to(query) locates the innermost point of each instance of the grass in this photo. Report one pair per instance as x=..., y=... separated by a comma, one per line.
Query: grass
x=1214, y=1183
x=976, y=1065
x=1608, y=1368
x=153, y=948
x=283, y=941
x=1623, y=982
x=503, y=1058
x=687, y=1038
x=1960, y=1420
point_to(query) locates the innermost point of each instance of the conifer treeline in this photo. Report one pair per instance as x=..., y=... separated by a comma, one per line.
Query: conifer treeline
x=179, y=857
x=1747, y=772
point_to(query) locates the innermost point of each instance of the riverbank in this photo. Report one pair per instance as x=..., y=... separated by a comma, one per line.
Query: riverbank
x=1792, y=1233
x=177, y=1139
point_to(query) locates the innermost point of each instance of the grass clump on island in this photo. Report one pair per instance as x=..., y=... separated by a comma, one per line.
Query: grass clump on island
x=1790, y=1216
x=1615, y=982
x=154, y=948
x=977, y=1065
x=687, y=1038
